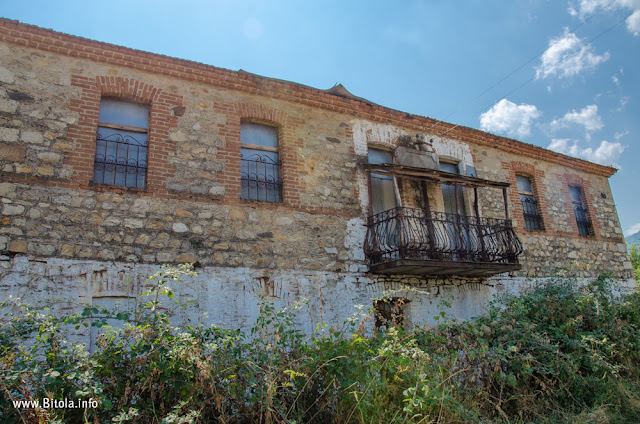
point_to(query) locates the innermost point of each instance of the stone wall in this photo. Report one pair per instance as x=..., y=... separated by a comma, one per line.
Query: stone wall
x=87, y=224
x=558, y=245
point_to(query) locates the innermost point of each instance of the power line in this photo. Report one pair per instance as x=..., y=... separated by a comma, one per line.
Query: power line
x=572, y=31
x=553, y=66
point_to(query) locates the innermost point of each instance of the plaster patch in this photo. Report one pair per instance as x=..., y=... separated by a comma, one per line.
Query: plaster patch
x=354, y=239
x=368, y=132
x=447, y=148
x=230, y=296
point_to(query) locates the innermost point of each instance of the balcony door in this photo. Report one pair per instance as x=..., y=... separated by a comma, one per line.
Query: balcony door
x=383, y=195
x=449, y=191
x=384, y=227
x=455, y=227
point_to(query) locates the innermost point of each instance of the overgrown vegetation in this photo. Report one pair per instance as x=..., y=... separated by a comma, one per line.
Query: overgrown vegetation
x=635, y=261
x=560, y=353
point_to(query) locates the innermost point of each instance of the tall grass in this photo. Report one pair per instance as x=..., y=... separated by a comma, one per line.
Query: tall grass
x=561, y=353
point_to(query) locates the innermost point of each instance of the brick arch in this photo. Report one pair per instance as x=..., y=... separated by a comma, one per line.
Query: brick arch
x=572, y=179
x=83, y=134
x=128, y=88
x=261, y=113
x=288, y=145
x=523, y=168
x=536, y=177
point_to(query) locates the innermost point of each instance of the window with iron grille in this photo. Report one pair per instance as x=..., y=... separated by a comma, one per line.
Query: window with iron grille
x=580, y=211
x=530, y=210
x=260, y=163
x=121, y=144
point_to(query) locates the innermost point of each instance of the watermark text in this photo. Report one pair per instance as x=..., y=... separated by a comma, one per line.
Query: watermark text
x=48, y=403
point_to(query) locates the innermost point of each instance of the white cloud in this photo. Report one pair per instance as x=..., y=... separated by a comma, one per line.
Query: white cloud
x=586, y=8
x=619, y=135
x=632, y=230
x=567, y=56
x=587, y=117
x=633, y=23
x=606, y=154
x=623, y=103
x=508, y=118
x=615, y=80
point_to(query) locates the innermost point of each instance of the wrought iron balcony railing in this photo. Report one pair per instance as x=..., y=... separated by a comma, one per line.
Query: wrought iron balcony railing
x=402, y=234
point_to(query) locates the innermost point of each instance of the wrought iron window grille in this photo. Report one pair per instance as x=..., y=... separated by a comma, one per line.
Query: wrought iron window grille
x=121, y=143
x=582, y=220
x=120, y=159
x=581, y=213
x=260, y=177
x=532, y=218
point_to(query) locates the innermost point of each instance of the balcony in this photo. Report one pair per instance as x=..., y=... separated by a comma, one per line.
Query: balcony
x=415, y=241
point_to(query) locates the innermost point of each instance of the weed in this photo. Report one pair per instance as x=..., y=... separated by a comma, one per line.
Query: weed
x=563, y=352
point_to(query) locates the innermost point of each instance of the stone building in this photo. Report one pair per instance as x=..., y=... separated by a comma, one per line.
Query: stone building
x=114, y=161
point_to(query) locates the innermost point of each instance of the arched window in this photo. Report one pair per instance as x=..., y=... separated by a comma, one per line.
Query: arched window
x=580, y=211
x=121, y=144
x=259, y=163
x=532, y=216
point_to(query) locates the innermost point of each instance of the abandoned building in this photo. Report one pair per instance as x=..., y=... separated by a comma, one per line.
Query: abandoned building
x=114, y=161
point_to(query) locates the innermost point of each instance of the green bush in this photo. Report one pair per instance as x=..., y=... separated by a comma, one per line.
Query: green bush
x=559, y=349
x=560, y=353
x=635, y=261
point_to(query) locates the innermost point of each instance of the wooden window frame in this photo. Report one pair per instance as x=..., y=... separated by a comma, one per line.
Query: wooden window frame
x=118, y=140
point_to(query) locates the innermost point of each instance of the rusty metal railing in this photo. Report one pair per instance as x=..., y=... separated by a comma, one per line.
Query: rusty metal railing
x=406, y=233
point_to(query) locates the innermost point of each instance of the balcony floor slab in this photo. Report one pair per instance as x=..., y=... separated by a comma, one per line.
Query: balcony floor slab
x=442, y=268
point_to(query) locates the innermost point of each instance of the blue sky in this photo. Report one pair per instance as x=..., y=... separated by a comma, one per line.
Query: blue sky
x=575, y=89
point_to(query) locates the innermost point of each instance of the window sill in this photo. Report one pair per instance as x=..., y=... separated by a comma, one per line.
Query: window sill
x=116, y=188
x=261, y=202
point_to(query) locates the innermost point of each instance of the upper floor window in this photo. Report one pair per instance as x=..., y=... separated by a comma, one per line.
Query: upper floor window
x=580, y=211
x=259, y=163
x=121, y=144
x=532, y=217
x=383, y=195
x=451, y=194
